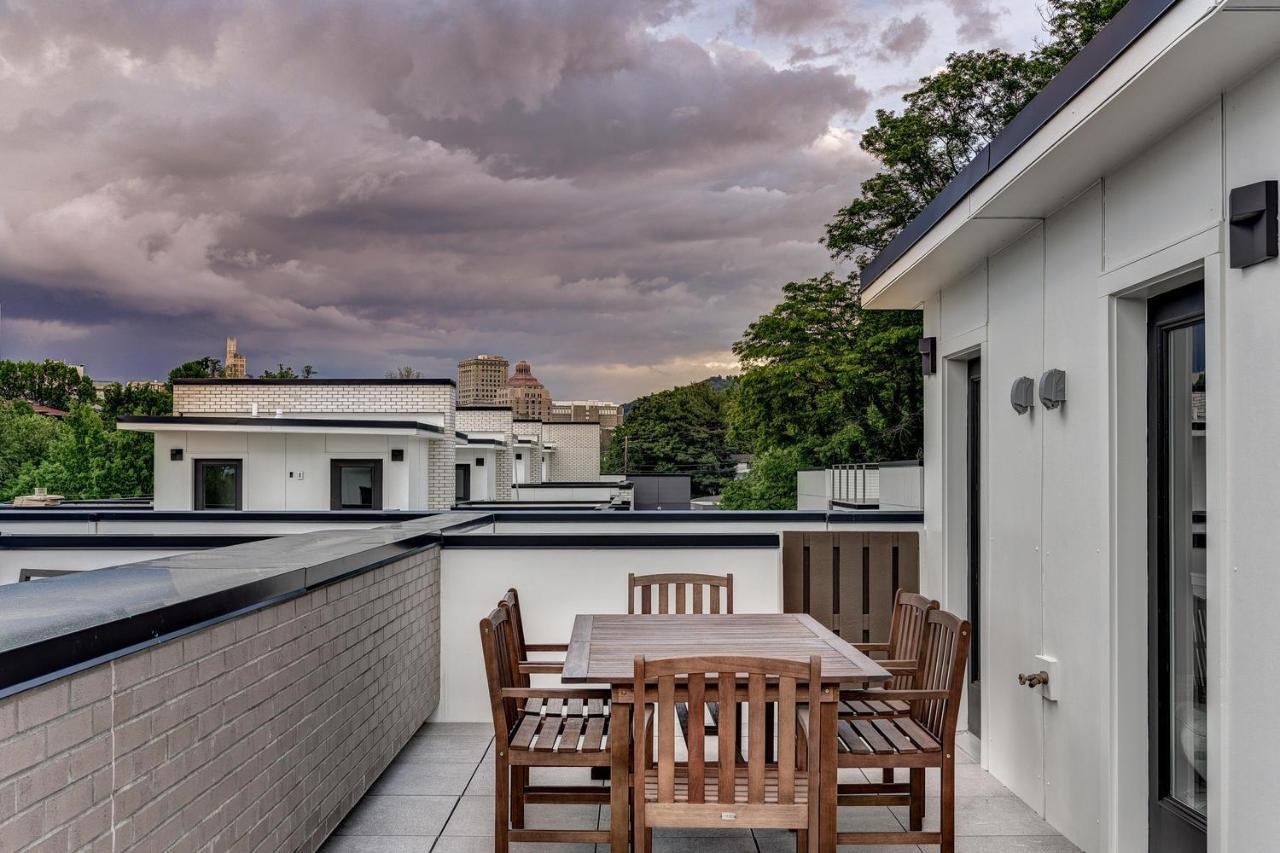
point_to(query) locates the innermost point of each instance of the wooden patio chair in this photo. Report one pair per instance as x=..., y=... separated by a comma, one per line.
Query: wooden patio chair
x=906, y=637
x=538, y=727
x=750, y=794
x=924, y=737
x=693, y=593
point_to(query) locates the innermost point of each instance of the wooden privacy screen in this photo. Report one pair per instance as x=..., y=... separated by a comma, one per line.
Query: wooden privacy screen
x=847, y=580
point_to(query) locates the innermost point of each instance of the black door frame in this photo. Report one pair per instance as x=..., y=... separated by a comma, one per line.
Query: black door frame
x=973, y=443
x=1174, y=828
x=335, y=481
x=197, y=482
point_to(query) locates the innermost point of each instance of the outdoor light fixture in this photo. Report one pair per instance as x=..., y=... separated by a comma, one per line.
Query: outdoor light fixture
x=1053, y=388
x=928, y=356
x=1253, y=224
x=1023, y=395
x=479, y=461
x=397, y=454
x=175, y=454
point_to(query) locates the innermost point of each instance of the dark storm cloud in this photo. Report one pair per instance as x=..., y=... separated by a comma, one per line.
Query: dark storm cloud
x=357, y=185
x=978, y=19
x=903, y=39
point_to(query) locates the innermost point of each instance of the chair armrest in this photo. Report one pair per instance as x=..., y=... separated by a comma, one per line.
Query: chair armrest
x=541, y=667
x=891, y=695
x=899, y=667
x=871, y=647
x=555, y=693
x=546, y=647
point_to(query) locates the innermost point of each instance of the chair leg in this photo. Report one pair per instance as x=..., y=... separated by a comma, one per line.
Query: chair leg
x=519, y=781
x=917, y=799
x=887, y=776
x=802, y=841
x=947, y=816
x=501, y=804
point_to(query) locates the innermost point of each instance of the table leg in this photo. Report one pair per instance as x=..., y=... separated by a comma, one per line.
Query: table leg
x=827, y=786
x=620, y=781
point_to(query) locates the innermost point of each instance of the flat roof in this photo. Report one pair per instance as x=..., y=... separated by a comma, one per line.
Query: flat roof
x=180, y=422
x=220, y=380
x=1114, y=39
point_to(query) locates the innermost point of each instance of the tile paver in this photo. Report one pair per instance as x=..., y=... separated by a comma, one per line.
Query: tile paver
x=437, y=796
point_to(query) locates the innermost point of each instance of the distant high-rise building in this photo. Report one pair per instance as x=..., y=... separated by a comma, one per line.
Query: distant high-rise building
x=481, y=379
x=527, y=397
x=235, y=366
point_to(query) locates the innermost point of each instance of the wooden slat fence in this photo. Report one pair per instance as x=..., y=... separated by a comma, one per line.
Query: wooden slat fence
x=847, y=580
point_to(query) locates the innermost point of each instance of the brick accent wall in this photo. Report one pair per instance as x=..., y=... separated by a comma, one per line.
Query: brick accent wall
x=499, y=421
x=533, y=455
x=229, y=398
x=258, y=734
x=577, y=453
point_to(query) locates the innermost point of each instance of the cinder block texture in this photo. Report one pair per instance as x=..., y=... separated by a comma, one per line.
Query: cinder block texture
x=577, y=451
x=257, y=734
x=234, y=398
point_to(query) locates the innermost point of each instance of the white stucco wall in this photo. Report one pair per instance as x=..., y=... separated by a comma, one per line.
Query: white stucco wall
x=1064, y=490
x=268, y=460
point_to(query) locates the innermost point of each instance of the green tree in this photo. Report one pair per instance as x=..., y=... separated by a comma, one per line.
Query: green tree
x=679, y=431
x=118, y=399
x=282, y=371
x=947, y=120
x=771, y=483
x=88, y=459
x=47, y=383
x=207, y=367
x=25, y=439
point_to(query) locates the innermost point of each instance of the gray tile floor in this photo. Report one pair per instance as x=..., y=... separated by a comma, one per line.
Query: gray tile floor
x=437, y=796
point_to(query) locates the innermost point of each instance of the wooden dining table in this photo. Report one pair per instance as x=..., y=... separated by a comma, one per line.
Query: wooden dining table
x=603, y=648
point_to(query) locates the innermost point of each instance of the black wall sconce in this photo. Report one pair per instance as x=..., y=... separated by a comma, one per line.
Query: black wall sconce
x=397, y=454
x=928, y=356
x=479, y=461
x=175, y=454
x=1253, y=224
x=1053, y=388
x=1023, y=394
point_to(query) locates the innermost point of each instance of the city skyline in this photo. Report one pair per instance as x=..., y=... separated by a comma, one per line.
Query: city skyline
x=613, y=190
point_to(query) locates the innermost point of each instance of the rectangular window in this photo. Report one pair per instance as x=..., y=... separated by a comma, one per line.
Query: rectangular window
x=218, y=484
x=355, y=484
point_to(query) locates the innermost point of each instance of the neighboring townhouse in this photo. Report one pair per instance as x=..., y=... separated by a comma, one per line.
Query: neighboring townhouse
x=572, y=451
x=484, y=453
x=530, y=461
x=305, y=444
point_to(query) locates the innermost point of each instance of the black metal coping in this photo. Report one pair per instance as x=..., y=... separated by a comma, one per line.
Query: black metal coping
x=483, y=408
x=74, y=513
x=61, y=625
x=488, y=442
x=1114, y=39
x=612, y=540
x=218, y=420
x=109, y=541
x=249, y=380
x=574, y=484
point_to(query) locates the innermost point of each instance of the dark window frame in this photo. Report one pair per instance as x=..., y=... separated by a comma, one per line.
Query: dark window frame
x=335, y=483
x=466, y=482
x=1171, y=825
x=197, y=479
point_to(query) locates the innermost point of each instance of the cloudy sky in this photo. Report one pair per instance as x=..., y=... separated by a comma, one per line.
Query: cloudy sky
x=611, y=189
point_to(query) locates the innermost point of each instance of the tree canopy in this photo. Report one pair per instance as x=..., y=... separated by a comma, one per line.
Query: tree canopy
x=826, y=382
x=679, y=431
x=207, y=367
x=46, y=383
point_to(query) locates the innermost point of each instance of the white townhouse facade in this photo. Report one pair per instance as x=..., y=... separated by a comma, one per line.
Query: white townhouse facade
x=485, y=453
x=1100, y=293
x=305, y=444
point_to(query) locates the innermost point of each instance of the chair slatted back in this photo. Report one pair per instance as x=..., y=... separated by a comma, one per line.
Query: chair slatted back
x=502, y=668
x=910, y=616
x=943, y=659
x=511, y=603
x=692, y=593
x=702, y=680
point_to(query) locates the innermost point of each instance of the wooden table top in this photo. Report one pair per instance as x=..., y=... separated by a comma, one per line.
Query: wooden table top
x=602, y=649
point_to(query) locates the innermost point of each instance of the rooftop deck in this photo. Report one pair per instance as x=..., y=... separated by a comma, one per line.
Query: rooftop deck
x=437, y=796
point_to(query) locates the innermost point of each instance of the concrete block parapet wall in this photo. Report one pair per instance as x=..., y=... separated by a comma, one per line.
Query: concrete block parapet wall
x=237, y=398
x=257, y=734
